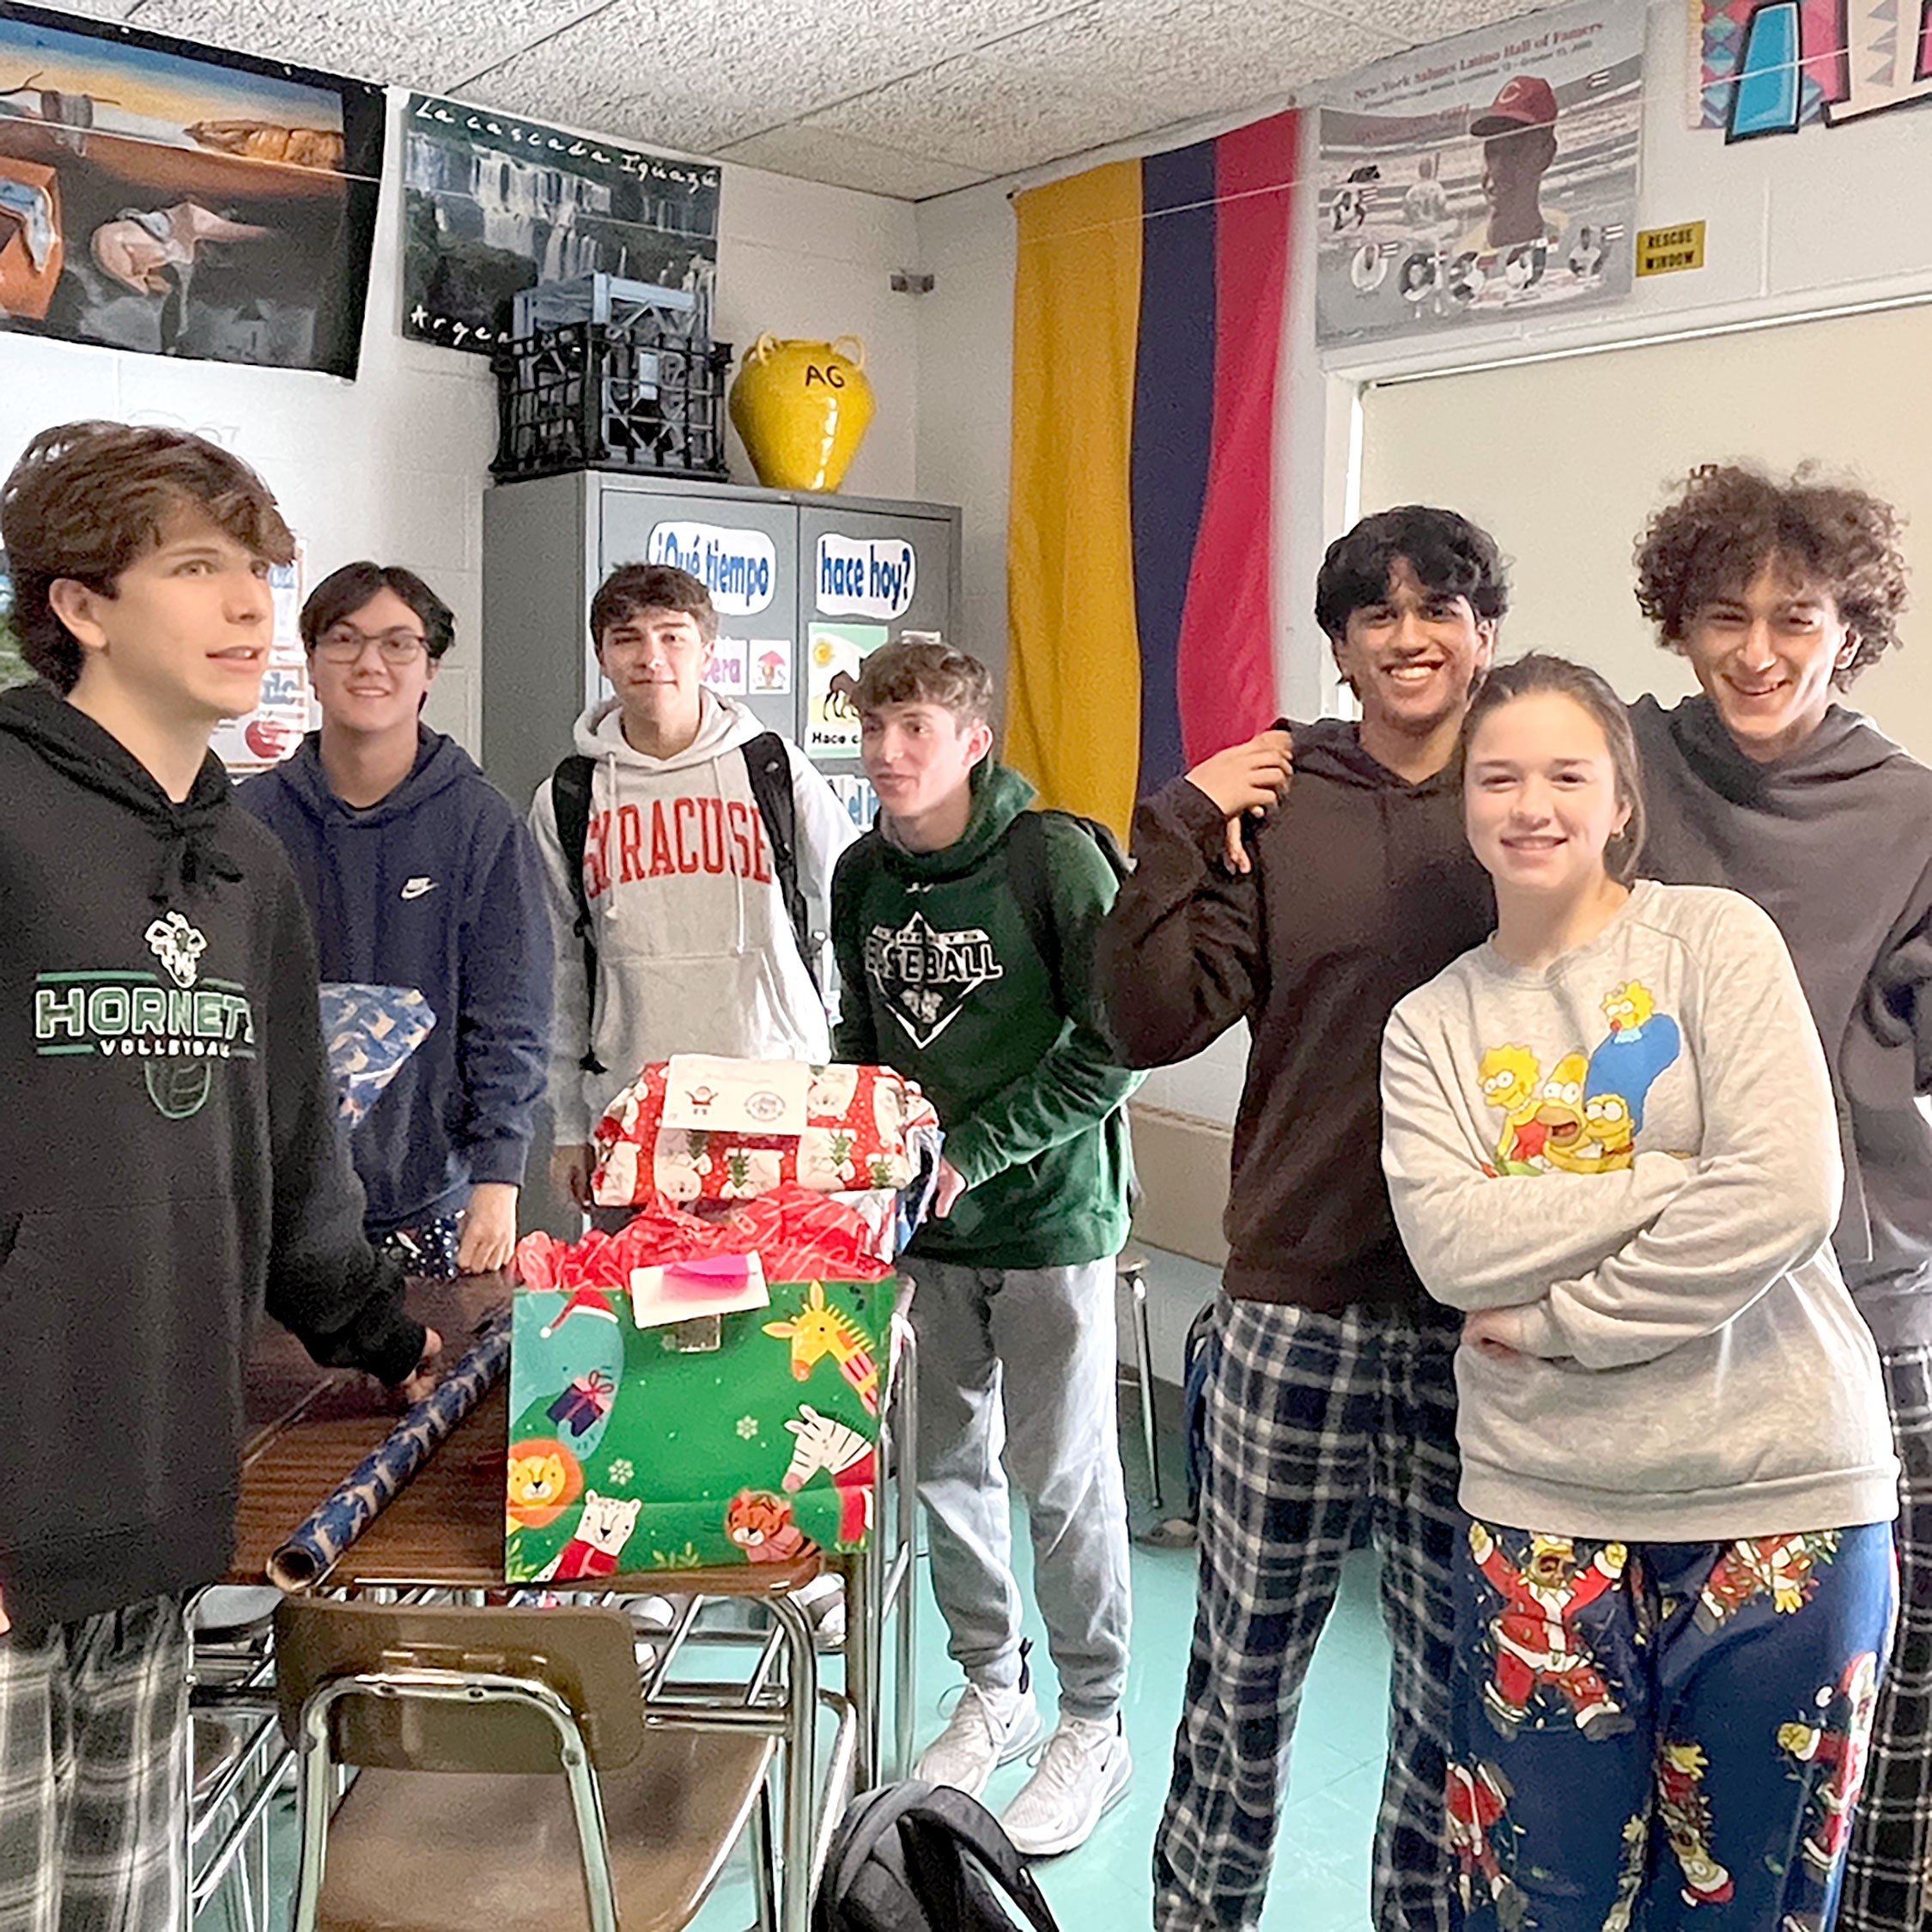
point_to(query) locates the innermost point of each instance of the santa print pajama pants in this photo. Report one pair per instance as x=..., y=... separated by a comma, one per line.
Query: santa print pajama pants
x=1312, y=1420
x=1661, y=1737
x=93, y=1760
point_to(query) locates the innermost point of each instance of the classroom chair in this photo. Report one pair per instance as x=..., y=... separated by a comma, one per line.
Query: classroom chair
x=507, y=1776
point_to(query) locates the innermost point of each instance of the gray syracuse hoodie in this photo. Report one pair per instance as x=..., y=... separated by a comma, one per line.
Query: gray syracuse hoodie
x=696, y=954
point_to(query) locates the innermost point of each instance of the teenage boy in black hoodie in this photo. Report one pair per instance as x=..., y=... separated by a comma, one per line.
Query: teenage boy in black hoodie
x=1307, y=909
x=945, y=975
x=168, y=1156
x=1780, y=592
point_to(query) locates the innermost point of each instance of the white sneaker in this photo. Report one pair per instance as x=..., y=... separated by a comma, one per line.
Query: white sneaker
x=1084, y=1770
x=988, y=1729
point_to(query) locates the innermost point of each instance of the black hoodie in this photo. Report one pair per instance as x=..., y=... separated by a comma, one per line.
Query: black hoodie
x=169, y=1161
x=1363, y=887
x=1834, y=841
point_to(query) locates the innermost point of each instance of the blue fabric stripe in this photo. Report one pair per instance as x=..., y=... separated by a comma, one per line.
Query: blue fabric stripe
x=1173, y=429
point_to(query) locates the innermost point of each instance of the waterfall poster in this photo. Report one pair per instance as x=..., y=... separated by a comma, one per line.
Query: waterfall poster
x=493, y=205
x=162, y=197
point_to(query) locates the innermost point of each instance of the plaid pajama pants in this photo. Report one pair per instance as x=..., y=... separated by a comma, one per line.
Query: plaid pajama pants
x=93, y=1758
x=1888, y=1869
x=1311, y=1418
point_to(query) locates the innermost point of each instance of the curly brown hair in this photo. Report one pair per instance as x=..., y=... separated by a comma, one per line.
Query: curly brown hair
x=1729, y=521
x=87, y=500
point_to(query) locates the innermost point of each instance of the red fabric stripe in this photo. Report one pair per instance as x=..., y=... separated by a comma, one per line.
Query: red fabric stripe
x=1225, y=672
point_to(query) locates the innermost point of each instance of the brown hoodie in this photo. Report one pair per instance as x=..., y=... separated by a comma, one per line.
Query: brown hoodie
x=1362, y=888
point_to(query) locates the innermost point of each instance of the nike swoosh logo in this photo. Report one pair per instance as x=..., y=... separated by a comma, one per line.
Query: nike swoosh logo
x=416, y=887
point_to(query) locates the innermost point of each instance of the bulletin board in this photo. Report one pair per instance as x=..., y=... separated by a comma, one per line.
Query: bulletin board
x=1564, y=461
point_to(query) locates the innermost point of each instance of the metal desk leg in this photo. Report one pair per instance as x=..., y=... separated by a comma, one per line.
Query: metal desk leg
x=794, y=1896
x=903, y=1593
x=1143, y=1368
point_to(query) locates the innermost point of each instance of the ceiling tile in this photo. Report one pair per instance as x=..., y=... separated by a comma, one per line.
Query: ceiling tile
x=821, y=154
x=1416, y=23
x=404, y=43
x=707, y=75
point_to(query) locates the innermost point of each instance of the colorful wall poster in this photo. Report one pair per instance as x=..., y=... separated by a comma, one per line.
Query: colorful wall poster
x=771, y=666
x=269, y=733
x=493, y=205
x=159, y=196
x=1481, y=178
x=725, y=674
x=833, y=653
x=1764, y=67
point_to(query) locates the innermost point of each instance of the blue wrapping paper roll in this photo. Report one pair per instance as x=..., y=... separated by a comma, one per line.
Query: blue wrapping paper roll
x=314, y=1544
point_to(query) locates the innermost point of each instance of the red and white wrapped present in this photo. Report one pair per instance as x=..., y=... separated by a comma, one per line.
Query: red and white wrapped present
x=697, y=1130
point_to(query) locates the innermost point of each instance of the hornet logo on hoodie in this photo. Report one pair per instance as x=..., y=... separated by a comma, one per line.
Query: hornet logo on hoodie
x=923, y=976
x=176, y=1029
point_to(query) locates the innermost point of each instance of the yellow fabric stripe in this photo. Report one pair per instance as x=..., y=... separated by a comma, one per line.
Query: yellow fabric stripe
x=1073, y=679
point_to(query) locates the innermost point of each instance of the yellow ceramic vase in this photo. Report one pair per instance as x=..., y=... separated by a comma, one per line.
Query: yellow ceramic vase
x=802, y=409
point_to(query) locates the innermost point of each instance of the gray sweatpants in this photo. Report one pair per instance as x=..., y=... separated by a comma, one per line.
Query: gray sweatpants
x=1024, y=1360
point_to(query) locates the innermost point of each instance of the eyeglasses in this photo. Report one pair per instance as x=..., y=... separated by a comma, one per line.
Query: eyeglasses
x=344, y=644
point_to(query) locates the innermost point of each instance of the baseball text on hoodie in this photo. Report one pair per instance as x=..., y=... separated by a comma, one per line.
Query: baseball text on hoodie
x=939, y=977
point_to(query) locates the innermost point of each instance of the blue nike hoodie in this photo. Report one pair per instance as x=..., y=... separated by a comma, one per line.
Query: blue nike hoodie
x=437, y=887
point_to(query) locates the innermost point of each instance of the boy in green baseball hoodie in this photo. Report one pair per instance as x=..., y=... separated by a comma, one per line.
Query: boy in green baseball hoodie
x=964, y=929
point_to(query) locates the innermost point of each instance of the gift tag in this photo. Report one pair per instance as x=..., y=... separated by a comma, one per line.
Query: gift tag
x=682, y=1292
x=704, y=1091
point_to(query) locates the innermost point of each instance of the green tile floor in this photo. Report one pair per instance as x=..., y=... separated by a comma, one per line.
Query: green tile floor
x=1322, y=1868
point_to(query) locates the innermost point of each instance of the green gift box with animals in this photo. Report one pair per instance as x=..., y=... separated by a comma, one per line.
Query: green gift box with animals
x=742, y=1438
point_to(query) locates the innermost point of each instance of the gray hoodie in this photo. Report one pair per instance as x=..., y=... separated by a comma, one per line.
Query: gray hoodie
x=1635, y=1148
x=696, y=954
x=1834, y=841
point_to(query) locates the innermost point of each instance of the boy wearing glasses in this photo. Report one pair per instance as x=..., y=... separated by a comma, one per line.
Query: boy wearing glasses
x=417, y=873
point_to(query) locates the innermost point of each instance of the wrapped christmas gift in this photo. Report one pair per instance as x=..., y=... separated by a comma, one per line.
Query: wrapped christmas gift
x=695, y=1389
x=700, y=1129
x=370, y=1030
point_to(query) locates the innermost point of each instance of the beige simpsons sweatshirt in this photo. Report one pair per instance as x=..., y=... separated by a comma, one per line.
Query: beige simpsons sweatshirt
x=1636, y=1147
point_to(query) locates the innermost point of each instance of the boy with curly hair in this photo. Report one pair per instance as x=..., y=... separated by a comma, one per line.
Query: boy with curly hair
x=1779, y=592
x=168, y=1159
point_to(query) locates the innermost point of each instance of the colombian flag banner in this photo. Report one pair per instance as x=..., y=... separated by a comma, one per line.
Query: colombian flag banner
x=1147, y=323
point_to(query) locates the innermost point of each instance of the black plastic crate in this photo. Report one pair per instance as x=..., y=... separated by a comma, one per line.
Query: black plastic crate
x=590, y=397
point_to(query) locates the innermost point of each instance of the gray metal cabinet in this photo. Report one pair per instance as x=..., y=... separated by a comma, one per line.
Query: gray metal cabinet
x=804, y=584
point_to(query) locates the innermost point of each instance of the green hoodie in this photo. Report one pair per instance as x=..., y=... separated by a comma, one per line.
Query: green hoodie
x=940, y=979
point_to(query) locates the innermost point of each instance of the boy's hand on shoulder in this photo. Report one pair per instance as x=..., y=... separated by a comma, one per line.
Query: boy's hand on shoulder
x=411, y=1390
x=1246, y=780
x=953, y=1184
x=489, y=1229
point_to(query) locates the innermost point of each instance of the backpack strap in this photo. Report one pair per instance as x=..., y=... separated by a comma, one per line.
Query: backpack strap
x=769, y=766
x=1029, y=872
x=1032, y=886
x=570, y=802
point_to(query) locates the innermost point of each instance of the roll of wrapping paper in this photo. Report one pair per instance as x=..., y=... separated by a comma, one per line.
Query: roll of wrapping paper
x=369, y=1489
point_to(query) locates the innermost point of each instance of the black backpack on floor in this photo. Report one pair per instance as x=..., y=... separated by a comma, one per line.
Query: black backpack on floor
x=924, y=1858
